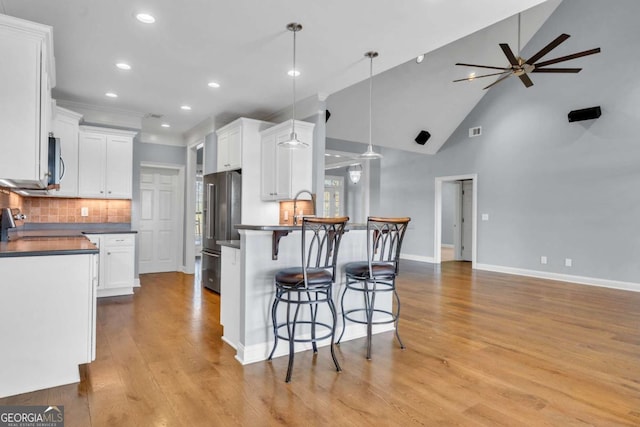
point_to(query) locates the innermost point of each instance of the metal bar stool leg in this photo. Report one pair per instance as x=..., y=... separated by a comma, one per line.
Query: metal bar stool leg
x=398, y=317
x=371, y=300
x=274, y=309
x=291, y=326
x=314, y=311
x=344, y=318
x=332, y=307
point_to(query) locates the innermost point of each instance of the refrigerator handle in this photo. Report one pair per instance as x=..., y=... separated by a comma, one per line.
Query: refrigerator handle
x=210, y=211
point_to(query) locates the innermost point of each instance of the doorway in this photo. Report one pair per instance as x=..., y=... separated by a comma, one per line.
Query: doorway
x=160, y=218
x=456, y=218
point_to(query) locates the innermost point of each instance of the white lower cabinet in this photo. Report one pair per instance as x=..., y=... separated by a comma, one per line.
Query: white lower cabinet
x=117, y=263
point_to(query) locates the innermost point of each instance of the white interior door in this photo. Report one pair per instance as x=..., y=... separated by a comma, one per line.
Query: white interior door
x=467, y=222
x=158, y=229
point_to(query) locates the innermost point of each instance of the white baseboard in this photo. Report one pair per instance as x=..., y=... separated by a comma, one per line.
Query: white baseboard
x=260, y=352
x=591, y=281
x=446, y=245
x=136, y=282
x=419, y=258
x=115, y=292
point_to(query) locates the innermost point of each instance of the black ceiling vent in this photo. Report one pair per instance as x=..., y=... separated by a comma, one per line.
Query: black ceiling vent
x=585, y=114
x=423, y=137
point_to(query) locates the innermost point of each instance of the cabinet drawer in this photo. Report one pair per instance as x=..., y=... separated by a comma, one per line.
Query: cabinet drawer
x=119, y=240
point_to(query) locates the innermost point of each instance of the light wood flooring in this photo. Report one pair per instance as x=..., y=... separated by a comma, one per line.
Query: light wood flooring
x=482, y=349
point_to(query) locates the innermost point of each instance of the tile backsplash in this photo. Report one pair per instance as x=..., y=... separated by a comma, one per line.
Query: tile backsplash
x=10, y=200
x=59, y=210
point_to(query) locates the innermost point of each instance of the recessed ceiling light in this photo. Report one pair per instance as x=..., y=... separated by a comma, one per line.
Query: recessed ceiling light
x=214, y=84
x=186, y=108
x=111, y=95
x=420, y=58
x=165, y=125
x=145, y=18
x=293, y=73
x=123, y=66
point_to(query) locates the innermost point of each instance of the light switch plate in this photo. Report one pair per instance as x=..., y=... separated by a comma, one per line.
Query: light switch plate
x=568, y=262
x=485, y=217
x=543, y=259
x=84, y=211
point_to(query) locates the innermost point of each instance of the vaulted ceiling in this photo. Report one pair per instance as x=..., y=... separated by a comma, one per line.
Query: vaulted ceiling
x=244, y=46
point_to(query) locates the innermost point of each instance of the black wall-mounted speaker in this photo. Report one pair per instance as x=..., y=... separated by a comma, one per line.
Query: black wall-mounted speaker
x=327, y=114
x=585, y=114
x=423, y=137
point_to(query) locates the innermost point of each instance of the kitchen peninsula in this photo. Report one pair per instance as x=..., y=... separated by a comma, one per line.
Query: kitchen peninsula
x=47, y=311
x=248, y=272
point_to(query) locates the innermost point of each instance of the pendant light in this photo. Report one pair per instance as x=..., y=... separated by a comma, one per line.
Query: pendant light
x=293, y=141
x=370, y=154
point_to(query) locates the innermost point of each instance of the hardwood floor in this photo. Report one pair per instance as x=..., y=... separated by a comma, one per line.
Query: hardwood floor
x=482, y=349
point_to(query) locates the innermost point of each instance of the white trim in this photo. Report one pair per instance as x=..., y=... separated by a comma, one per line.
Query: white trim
x=179, y=223
x=437, y=232
x=418, y=258
x=447, y=245
x=189, y=240
x=590, y=281
x=136, y=282
x=260, y=352
x=115, y=292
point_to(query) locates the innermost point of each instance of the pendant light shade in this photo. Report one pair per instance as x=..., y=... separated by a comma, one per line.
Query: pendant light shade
x=293, y=141
x=370, y=154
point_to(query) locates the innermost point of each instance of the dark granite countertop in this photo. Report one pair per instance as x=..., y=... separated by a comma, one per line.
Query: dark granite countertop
x=229, y=243
x=45, y=246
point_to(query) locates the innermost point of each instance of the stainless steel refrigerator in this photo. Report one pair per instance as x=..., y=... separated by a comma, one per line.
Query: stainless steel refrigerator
x=221, y=211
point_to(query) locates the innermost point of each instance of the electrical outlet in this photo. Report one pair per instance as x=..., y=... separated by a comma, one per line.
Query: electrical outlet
x=84, y=211
x=543, y=259
x=568, y=262
x=485, y=217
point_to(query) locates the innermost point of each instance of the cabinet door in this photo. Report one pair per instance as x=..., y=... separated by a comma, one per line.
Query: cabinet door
x=119, y=167
x=223, y=151
x=283, y=168
x=91, y=165
x=67, y=130
x=268, y=168
x=119, y=267
x=234, y=149
x=20, y=79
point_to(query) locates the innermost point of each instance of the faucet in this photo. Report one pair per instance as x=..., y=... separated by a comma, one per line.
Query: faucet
x=295, y=202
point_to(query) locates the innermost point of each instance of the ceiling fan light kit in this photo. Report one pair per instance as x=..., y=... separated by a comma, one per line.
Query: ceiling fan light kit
x=521, y=67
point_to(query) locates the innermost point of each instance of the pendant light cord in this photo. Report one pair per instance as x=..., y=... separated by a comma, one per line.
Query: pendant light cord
x=370, y=97
x=293, y=121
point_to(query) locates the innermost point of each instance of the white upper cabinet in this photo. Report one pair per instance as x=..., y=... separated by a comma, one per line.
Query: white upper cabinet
x=285, y=171
x=105, y=163
x=66, y=128
x=230, y=147
x=27, y=76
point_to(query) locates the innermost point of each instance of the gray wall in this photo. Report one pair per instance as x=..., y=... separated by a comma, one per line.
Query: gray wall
x=564, y=190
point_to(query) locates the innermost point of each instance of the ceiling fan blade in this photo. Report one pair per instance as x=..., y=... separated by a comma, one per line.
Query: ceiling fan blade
x=468, y=79
x=526, y=80
x=568, y=57
x=556, y=70
x=483, y=66
x=509, y=54
x=498, y=81
x=548, y=48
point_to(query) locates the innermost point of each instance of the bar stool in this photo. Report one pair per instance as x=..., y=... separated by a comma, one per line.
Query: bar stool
x=377, y=274
x=309, y=285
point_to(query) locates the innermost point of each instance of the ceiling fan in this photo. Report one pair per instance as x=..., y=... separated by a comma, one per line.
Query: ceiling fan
x=521, y=67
